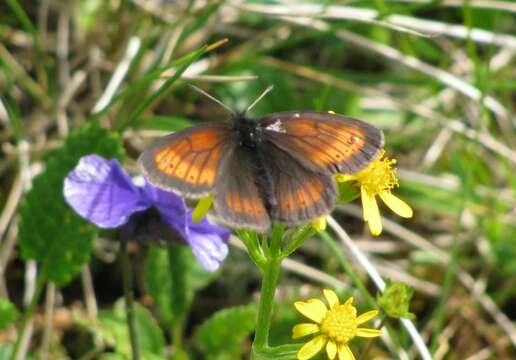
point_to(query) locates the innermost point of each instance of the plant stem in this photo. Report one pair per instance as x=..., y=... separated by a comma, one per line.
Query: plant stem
x=177, y=264
x=269, y=283
x=177, y=340
x=27, y=314
x=305, y=232
x=127, y=278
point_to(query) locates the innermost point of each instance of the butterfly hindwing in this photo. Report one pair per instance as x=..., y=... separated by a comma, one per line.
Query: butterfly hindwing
x=237, y=198
x=188, y=161
x=296, y=193
x=324, y=140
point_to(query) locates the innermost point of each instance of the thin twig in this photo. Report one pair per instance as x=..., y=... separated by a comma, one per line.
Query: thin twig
x=31, y=296
x=5, y=254
x=48, y=320
x=89, y=292
x=11, y=205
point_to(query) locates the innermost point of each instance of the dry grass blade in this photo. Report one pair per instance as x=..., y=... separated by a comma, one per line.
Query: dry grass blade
x=402, y=23
x=410, y=61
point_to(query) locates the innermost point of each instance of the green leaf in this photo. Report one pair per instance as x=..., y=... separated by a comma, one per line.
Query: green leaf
x=50, y=231
x=221, y=336
x=173, y=290
x=113, y=329
x=8, y=313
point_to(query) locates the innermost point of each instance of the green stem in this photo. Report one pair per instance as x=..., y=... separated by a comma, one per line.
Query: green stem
x=178, y=301
x=304, y=233
x=27, y=314
x=254, y=250
x=127, y=279
x=269, y=283
x=177, y=340
x=270, y=278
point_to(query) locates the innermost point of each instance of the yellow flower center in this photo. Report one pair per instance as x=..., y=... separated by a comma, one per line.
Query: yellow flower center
x=340, y=324
x=379, y=176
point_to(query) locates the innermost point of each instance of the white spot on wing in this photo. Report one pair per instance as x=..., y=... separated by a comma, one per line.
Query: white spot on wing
x=276, y=126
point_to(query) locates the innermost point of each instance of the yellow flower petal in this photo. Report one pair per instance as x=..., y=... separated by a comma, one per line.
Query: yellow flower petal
x=319, y=224
x=331, y=297
x=314, y=309
x=368, y=333
x=331, y=349
x=311, y=348
x=304, y=329
x=345, y=353
x=349, y=301
x=366, y=316
x=366, y=202
x=371, y=213
x=396, y=204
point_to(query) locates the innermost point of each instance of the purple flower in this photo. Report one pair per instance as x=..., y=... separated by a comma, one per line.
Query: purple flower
x=101, y=191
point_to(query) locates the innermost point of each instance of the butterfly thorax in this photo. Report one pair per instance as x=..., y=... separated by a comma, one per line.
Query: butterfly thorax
x=249, y=133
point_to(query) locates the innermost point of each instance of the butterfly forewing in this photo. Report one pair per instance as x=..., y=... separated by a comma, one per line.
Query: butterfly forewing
x=237, y=198
x=297, y=194
x=324, y=140
x=188, y=161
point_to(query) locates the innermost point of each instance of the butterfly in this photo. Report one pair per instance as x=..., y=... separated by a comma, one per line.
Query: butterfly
x=278, y=167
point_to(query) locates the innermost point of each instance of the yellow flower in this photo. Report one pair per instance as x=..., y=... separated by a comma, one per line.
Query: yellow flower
x=335, y=327
x=319, y=224
x=378, y=178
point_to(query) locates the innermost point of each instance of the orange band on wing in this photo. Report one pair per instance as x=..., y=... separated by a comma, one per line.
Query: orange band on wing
x=193, y=160
x=244, y=205
x=307, y=195
x=326, y=143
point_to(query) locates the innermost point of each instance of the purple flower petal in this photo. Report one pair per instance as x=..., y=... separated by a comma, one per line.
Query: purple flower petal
x=208, y=242
x=102, y=192
x=171, y=206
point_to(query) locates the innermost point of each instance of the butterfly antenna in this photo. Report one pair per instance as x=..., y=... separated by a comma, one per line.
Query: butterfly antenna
x=265, y=92
x=212, y=98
